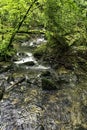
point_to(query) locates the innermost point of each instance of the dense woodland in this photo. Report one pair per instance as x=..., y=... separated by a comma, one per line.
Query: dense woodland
x=64, y=23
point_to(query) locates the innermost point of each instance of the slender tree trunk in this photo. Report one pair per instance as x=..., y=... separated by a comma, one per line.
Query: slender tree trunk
x=20, y=24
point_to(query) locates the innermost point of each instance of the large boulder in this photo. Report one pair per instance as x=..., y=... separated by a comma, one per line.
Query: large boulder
x=49, y=82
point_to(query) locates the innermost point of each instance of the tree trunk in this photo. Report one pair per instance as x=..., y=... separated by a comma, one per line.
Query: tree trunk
x=20, y=24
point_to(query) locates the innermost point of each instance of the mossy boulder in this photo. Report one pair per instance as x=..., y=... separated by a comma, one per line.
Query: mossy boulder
x=49, y=80
x=46, y=73
x=48, y=84
x=40, y=51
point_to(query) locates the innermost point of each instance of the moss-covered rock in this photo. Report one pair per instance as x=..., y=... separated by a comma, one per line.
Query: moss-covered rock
x=48, y=84
x=40, y=51
x=46, y=73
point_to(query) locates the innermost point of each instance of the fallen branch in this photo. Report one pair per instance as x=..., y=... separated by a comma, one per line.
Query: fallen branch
x=16, y=83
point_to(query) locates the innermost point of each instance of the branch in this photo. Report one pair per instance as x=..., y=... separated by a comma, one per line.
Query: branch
x=16, y=83
x=20, y=23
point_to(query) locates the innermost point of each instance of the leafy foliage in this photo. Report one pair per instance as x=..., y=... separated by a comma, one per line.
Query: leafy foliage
x=66, y=19
x=12, y=13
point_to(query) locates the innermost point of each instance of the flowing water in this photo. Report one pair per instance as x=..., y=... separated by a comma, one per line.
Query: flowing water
x=28, y=107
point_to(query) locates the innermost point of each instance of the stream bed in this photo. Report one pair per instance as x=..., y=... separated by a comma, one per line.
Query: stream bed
x=28, y=107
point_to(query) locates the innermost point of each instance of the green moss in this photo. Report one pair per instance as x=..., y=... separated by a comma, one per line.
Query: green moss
x=48, y=84
x=40, y=50
x=46, y=73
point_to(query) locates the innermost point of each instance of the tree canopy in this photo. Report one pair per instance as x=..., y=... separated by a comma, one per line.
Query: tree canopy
x=65, y=21
x=67, y=18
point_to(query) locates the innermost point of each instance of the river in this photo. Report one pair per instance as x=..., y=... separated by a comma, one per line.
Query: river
x=29, y=107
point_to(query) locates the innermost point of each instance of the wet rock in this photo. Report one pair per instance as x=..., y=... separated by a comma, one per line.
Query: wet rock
x=1, y=94
x=79, y=127
x=30, y=63
x=10, y=78
x=26, y=59
x=48, y=84
x=40, y=51
x=22, y=54
x=46, y=73
x=37, y=55
x=41, y=127
x=67, y=79
x=67, y=102
x=6, y=68
x=2, y=90
x=1, y=67
x=49, y=81
x=84, y=111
